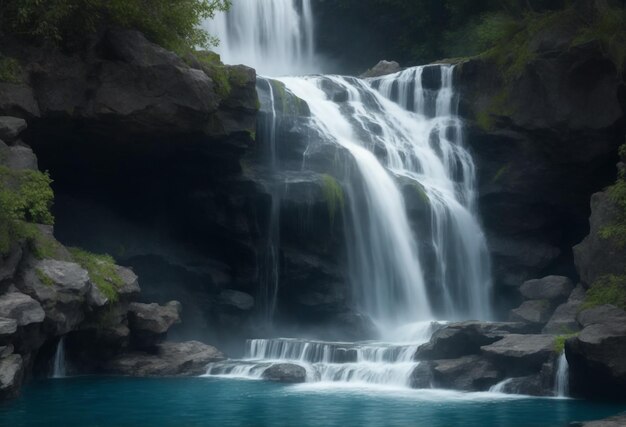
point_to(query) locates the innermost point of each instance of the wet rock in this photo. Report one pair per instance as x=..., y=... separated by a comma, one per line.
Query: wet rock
x=521, y=354
x=11, y=127
x=285, y=373
x=553, y=288
x=11, y=372
x=468, y=373
x=22, y=308
x=382, y=68
x=596, y=354
x=170, y=359
x=535, y=312
x=149, y=323
x=465, y=338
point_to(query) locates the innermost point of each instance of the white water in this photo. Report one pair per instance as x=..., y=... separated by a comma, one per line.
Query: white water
x=401, y=132
x=58, y=367
x=275, y=37
x=500, y=387
x=561, y=383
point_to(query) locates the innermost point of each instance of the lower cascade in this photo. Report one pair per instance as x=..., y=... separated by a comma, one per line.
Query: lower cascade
x=370, y=362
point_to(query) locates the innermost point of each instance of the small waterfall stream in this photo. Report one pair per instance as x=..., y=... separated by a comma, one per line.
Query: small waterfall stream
x=561, y=383
x=58, y=366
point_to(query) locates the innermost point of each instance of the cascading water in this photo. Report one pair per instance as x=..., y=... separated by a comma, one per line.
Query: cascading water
x=561, y=383
x=401, y=135
x=58, y=366
x=275, y=37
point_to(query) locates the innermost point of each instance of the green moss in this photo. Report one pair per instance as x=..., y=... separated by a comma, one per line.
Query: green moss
x=616, y=231
x=501, y=172
x=102, y=271
x=252, y=135
x=485, y=120
x=333, y=194
x=422, y=193
x=238, y=77
x=10, y=70
x=559, y=342
x=218, y=72
x=609, y=289
x=608, y=27
x=25, y=197
x=44, y=278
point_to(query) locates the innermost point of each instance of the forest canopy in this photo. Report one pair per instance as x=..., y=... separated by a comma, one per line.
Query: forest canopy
x=174, y=24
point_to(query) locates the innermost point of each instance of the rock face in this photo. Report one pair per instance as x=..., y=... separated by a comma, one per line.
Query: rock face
x=535, y=312
x=563, y=320
x=285, y=373
x=552, y=288
x=521, y=354
x=11, y=371
x=21, y=308
x=382, y=68
x=11, y=127
x=149, y=323
x=596, y=354
x=468, y=373
x=170, y=359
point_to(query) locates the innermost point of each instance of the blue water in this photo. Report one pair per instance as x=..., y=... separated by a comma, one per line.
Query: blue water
x=119, y=402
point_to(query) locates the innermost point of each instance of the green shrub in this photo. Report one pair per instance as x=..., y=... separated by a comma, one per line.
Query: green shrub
x=609, y=289
x=175, y=24
x=333, y=194
x=559, y=342
x=25, y=197
x=102, y=271
x=616, y=231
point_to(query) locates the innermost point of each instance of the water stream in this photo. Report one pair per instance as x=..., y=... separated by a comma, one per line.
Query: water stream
x=58, y=365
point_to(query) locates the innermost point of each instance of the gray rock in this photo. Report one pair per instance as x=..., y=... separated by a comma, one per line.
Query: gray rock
x=170, y=359
x=21, y=157
x=382, y=68
x=521, y=354
x=22, y=308
x=578, y=294
x=130, y=283
x=468, y=373
x=149, y=323
x=536, y=312
x=7, y=326
x=62, y=288
x=11, y=127
x=596, y=354
x=285, y=373
x=236, y=299
x=552, y=288
x=8, y=263
x=459, y=339
x=563, y=321
x=616, y=421
x=6, y=350
x=11, y=372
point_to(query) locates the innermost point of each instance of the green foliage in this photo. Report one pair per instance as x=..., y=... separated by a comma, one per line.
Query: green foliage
x=559, y=342
x=44, y=278
x=175, y=24
x=10, y=70
x=609, y=289
x=102, y=271
x=608, y=26
x=25, y=196
x=333, y=194
x=616, y=231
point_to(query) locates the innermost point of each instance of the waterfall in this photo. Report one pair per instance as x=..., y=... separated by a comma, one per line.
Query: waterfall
x=561, y=383
x=501, y=386
x=58, y=367
x=273, y=36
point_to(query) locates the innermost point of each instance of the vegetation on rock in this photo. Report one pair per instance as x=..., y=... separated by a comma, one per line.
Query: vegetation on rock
x=333, y=194
x=608, y=289
x=559, y=342
x=174, y=24
x=616, y=231
x=25, y=197
x=9, y=70
x=102, y=271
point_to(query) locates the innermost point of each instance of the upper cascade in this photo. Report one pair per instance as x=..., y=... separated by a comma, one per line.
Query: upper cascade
x=273, y=36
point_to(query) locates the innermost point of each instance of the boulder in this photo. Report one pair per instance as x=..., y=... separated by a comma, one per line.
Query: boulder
x=285, y=373
x=11, y=127
x=459, y=339
x=11, y=373
x=21, y=157
x=564, y=320
x=62, y=288
x=21, y=308
x=130, y=283
x=7, y=327
x=231, y=298
x=382, y=68
x=170, y=359
x=6, y=350
x=536, y=312
x=468, y=373
x=555, y=289
x=519, y=355
x=596, y=354
x=149, y=323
